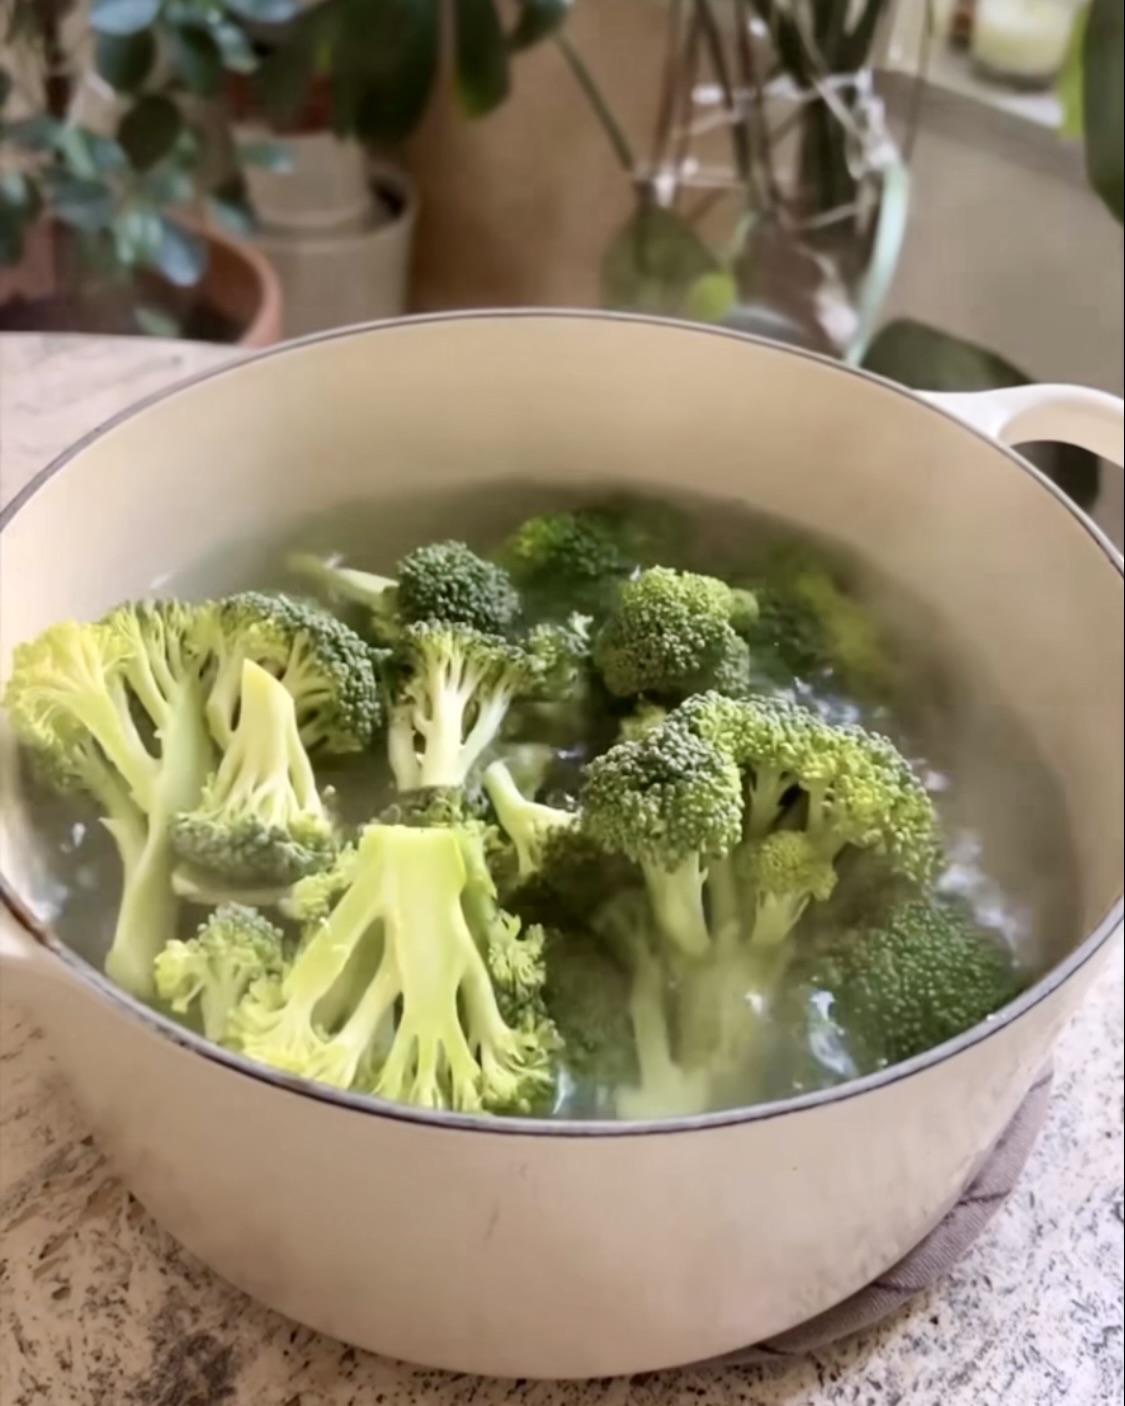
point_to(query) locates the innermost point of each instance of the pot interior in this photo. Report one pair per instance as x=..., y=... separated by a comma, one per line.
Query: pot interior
x=371, y=441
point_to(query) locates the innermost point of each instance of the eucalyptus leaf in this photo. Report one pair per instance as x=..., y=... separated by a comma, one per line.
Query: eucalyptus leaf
x=78, y=201
x=195, y=54
x=122, y=16
x=37, y=133
x=481, y=53
x=148, y=131
x=264, y=11
x=125, y=60
x=233, y=215
x=537, y=20
x=234, y=47
x=926, y=359
x=1103, y=102
x=180, y=254
x=654, y=264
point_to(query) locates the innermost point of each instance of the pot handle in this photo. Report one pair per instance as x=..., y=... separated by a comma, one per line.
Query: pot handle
x=1075, y=415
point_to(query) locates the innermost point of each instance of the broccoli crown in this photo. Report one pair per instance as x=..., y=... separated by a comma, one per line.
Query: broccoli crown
x=260, y=819
x=427, y=1027
x=569, y=560
x=560, y=655
x=235, y=947
x=815, y=627
x=333, y=675
x=454, y=687
x=670, y=635
x=587, y=994
x=842, y=784
x=447, y=583
x=924, y=975
x=663, y=798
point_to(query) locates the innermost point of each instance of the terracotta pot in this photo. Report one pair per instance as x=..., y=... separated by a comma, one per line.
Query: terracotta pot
x=240, y=285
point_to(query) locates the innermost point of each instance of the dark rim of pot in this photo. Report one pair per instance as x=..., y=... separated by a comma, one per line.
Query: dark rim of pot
x=372, y=1106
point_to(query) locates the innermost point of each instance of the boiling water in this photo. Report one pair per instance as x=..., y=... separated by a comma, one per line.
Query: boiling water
x=1007, y=848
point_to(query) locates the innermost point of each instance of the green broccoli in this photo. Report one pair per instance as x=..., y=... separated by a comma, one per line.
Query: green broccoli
x=453, y=688
x=671, y=803
x=332, y=674
x=73, y=700
x=587, y=994
x=210, y=974
x=528, y=824
x=923, y=975
x=260, y=820
x=568, y=561
x=427, y=1029
x=207, y=890
x=819, y=632
x=673, y=634
x=440, y=583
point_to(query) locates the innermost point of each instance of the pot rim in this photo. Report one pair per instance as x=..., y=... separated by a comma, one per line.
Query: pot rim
x=87, y=975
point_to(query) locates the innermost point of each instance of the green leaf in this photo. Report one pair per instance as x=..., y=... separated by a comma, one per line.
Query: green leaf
x=385, y=65
x=78, y=201
x=538, y=20
x=179, y=255
x=20, y=203
x=234, y=48
x=926, y=359
x=148, y=131
x=654, y=264
x=266, y=156
x=483, y=79
x=89, y=154
x=125, y=60
x=1103, y=103
x=122, y=16
x=233, y=215
x=264, y=11
x=37, y=133
x=196, y=56
x=155, y=322
x=1069, y=87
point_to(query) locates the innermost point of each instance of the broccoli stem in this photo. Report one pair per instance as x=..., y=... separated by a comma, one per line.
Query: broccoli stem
x=677, y=904
x=765, y=794
x=664, y=1089
x=775, y=917
x=146, y=915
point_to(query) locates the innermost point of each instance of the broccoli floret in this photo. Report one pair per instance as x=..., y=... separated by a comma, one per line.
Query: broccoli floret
x=923, y=975
x=331, y=672
x=566, y=561
x=211, y=973
x=673, y=634
x=671, y=803
x=73, y=699
x=427, y=1028
x=453, y=690
x=644, y=717
x=784, y=873
x=442, y=583
x=816, y=629
x=260, y=820
x=528, y=824
x=587, y=993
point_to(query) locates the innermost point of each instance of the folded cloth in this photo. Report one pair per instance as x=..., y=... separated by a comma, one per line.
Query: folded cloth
x=927, y=1262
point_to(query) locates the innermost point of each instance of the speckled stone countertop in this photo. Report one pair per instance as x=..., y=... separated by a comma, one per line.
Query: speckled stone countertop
x=98, y=1307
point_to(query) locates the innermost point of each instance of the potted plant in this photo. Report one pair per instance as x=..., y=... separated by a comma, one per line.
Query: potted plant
x=344, y=84
x=136, y=221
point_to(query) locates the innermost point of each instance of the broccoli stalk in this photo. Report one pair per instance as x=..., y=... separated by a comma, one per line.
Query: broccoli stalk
x=212, y=972
x=455, y=688
x=260, y=820
x=71, y=700
x=528, y=824
x=427, y=1029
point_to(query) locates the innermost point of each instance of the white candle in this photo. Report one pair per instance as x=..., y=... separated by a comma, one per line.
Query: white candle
x=1022, y=38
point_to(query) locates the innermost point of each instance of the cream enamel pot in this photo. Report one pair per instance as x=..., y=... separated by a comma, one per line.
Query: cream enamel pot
x=567, y=1250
